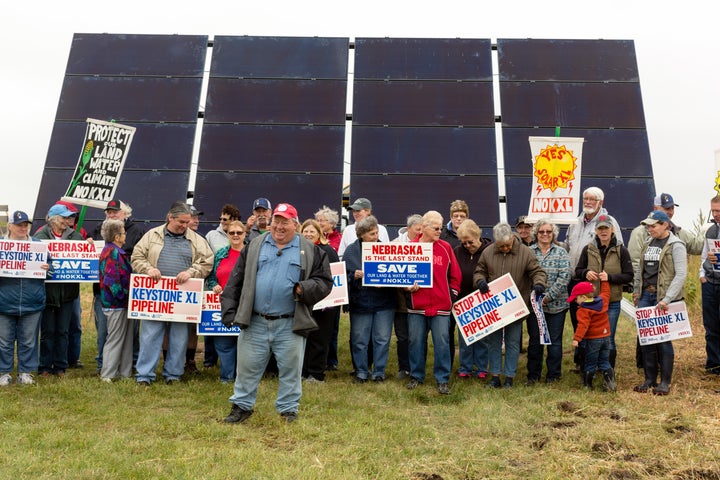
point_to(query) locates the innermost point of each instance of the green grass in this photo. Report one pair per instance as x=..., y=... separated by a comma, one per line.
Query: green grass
x=79, y=427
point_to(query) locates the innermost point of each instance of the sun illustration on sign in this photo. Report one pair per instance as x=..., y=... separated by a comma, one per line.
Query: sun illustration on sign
x=555, y=167
x=717, y=183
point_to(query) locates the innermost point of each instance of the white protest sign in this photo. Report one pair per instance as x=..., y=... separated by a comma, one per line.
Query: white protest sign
x=211, y=319
x=165, y=299
x=655, y=326
x=74, y=261
x=339, y=293
x=21, y=259
x=478, y=315
x=556, y=167
x=397, y=264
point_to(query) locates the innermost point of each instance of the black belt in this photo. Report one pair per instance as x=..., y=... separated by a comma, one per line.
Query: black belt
x=274, y=317
x=650, y=288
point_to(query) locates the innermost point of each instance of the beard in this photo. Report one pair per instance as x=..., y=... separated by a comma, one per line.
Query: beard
x=590, y=211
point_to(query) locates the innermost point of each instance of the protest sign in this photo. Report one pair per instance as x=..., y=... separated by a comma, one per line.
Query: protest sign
x=165, y=300
x=339, y=293
x=20, y=259
x=478, y=315
x=397, y=264
x=211, y=318
x=713, y=246
x=100, y=164
x=555, y=193
x=536, y=304
x=74, y=261
x=655, y=325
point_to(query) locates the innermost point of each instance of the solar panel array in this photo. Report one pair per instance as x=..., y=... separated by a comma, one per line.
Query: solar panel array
x=423, y=117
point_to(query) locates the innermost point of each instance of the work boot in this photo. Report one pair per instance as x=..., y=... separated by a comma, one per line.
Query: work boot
x=613, y=355
x=666, y=371
x=609, y=384
x=588, y=378
x=650, y=366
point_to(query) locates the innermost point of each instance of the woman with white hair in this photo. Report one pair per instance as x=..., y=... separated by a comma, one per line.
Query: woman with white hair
x=508, y=255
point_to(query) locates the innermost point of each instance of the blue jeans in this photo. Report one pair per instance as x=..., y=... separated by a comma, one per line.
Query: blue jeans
x=24, y=330
x=75, y=333
x=613, y=315
x=438, y=325
x=375, y=327
x=226, y=348
x=254, y=346
x=555, y=324
x=152, y=333
x=512, y=349
x=472, y=356
x=54, y=325
x=597, y=354
x=101, y=327
x=711, y=322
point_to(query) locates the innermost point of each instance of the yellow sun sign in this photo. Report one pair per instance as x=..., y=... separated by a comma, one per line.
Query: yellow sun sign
x=555, y=167
x=717, y=183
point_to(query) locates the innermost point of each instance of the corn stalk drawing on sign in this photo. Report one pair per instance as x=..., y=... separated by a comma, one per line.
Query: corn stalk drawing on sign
x=101, y=161
x=556, y=163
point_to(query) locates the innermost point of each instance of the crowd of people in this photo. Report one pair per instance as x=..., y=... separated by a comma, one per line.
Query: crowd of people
x=271, y=270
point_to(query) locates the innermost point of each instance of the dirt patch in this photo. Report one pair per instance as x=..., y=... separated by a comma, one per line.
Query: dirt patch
x=697, y=474
x=426, y=476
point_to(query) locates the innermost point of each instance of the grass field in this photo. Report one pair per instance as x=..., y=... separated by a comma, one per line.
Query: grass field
x=79, y=427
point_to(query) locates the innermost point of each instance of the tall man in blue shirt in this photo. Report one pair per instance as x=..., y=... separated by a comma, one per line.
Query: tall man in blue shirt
x=276, y=281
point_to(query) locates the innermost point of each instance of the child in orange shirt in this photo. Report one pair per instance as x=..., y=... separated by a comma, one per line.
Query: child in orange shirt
x=594, y=329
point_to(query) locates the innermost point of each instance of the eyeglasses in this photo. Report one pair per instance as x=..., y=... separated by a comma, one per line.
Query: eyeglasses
x=224, y=219
x=437, y=229
x=544, y=232
x=235, y=233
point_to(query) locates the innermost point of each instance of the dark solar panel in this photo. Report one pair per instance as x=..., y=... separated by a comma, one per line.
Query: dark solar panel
x=423, y=103
x=567, y=60
x=423, y=58
x=150, y=194
x=137, y=55
x=128, y=99
x=279, y=57
x=394, y=197
x=627, y=199
x=154, y=146
x=426, y=150
x=588, y=105
x=605, y=152
x=262, y=148
x=305, y=192
x=276, y=101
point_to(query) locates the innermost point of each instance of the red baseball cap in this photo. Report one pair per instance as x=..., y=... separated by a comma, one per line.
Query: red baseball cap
x=286, y=210
x=582, y=288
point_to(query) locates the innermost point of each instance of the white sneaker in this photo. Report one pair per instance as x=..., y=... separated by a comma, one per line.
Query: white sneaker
x=106, y=379
x=5, y=379
x=25, y=379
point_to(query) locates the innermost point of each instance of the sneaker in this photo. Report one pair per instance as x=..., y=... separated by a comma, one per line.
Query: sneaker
x=289, y=417
x=238, y=415
x=77, y=364
x=531, y=381
x=464, y=375
x=378, y=379
x=494, y=382
x=403, y=374
x=5, y=379
x=443, y=389
x=25, y=379
x=143, y=383
x=312, y=379
x=331, y=367
x=359, y=380
x=482, y=375
x=413, y=383
x=106, y=379
x=508, y=382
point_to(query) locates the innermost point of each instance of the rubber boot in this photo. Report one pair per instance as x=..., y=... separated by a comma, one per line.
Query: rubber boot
x=588, y=378
x=649, y=355
x=613, y=355
x=638, y=355
x=609, y=384
x=666, y=371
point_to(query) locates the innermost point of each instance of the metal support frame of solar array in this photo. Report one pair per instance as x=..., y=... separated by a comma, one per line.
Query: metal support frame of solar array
x=423, y=121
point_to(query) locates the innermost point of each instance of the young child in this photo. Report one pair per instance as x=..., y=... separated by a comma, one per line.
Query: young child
x=594, y=328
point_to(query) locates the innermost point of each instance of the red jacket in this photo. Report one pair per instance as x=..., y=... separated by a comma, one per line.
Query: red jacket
x=592, y=316
x=446, y=284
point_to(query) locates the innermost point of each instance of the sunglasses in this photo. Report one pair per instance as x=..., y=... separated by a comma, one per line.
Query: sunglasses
x=544, y=232
x=235, y=233
x=224, y=219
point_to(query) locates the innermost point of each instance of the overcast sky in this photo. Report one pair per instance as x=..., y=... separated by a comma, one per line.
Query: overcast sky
x=677, y=54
